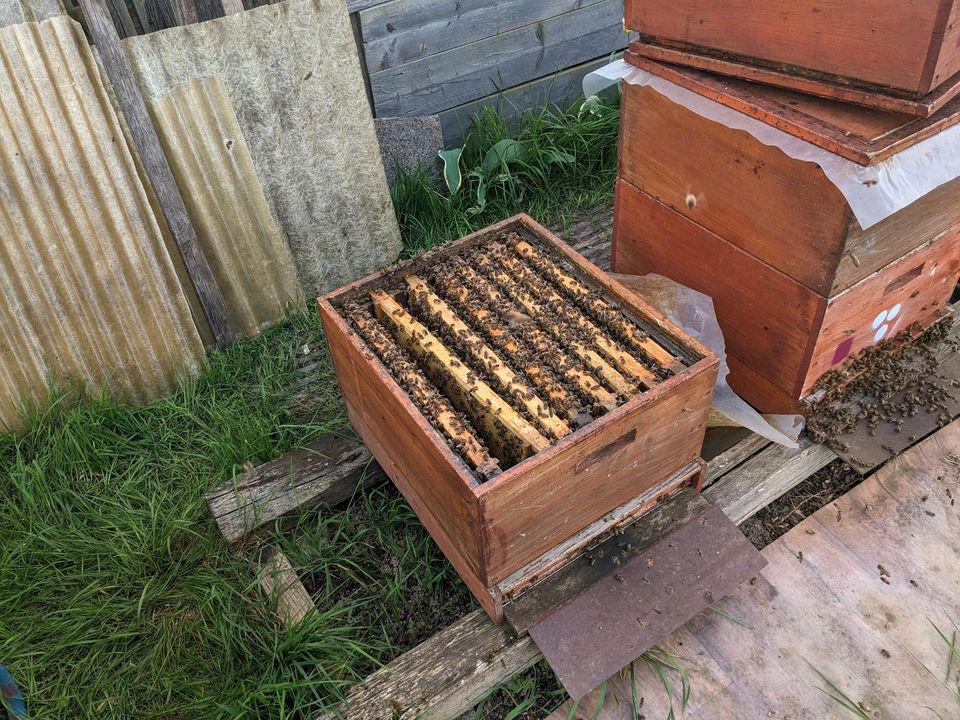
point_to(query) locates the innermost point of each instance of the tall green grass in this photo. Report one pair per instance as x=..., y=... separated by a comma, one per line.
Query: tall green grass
x=118, y=598
x=568, y=168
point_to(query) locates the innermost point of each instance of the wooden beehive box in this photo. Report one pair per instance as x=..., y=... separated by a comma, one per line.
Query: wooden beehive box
x=770, y=238
x=507, y=498
x=889, y=48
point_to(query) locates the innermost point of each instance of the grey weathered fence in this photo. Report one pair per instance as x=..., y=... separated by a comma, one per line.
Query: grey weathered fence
x=450, y=57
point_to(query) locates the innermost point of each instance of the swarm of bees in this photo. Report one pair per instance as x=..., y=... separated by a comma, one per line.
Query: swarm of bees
x=506, y=351
x=887, y=383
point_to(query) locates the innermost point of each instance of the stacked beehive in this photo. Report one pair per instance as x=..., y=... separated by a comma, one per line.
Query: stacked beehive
x=749, y=155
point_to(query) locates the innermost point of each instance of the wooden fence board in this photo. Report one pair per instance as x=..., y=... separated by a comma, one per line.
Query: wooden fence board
x=402, y=31
x=557, y=89
x=118, y=70
x=470, y=72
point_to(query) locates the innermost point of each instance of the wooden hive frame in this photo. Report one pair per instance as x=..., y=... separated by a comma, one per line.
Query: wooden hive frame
x=565, y=479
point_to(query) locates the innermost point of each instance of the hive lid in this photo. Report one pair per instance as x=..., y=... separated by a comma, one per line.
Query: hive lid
x=597, y=615
x=807, y=83
x=864, y=135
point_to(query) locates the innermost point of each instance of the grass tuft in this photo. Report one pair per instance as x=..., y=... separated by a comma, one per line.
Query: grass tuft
x=567, y=167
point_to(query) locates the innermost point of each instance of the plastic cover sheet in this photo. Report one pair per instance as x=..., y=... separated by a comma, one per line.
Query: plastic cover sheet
x=874, y=193
x=693, y=312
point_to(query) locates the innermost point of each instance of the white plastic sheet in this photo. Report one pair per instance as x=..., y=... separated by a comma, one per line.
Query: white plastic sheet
x=693, y=311
x=873, y=193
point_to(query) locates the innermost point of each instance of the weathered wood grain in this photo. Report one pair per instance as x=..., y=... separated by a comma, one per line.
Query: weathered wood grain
x=443, y=677
x=460, y=75
x=282, y=586
x=328, y=470
x=850, y=593
x=401, y=31
x=157, y=168
x=557, y=89
x=734, y=456
x=766, y=476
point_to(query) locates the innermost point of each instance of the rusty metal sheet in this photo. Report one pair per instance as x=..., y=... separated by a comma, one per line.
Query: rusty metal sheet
x=212, y=166
x=293, y=77
x=88, y=291
x=602, y=559
x=626, y=613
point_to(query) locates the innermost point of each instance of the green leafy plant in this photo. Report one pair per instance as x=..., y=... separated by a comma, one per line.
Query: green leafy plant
x=551, y=163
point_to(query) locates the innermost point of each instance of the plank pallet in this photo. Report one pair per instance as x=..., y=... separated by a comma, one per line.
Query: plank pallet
x=518, y=398
x=850, y=51
x=798, y=285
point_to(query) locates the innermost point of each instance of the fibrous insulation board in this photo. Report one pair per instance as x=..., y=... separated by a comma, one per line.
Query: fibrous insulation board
x=14, y=12
x=292, y=74
x=87, y=289
x=214, y=172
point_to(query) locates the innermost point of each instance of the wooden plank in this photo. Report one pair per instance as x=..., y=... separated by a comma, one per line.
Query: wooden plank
x=208, y=9
x=729, y=459
x=555, y=90
x=158, y=14
x=487, y=359
x=158, y=171
x=184, y=10
x=402, y=31
x=281, y=584
x=850, y=593
x=443, y=677
x=877, y=43
x=500, y=423
x=783, y=211
x=122, y=20
x=328, y=470
x=766, y=476
x=458, y=76
x=356, y=6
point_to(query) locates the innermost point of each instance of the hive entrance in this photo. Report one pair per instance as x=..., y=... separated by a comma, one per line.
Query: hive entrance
x=505, y=351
